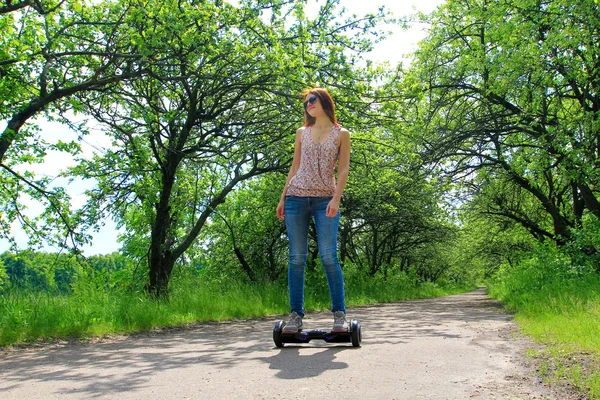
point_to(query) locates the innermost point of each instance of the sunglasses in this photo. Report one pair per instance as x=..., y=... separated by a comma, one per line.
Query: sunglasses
x=312, y=100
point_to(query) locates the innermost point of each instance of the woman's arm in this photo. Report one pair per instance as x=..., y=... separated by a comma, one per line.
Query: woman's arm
x=343, y=171
x=293, y=169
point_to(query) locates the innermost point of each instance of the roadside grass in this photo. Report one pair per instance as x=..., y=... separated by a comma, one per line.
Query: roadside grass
x=28, y=318
x=562, y=311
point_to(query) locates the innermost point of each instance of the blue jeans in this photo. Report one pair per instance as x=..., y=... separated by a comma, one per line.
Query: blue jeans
x=298, y=211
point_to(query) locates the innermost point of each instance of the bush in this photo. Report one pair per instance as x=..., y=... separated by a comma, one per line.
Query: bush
x=554, y=293
x=546, y=266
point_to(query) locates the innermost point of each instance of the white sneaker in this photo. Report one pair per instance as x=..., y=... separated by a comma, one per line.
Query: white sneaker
x=294, y=324
x=339, y=322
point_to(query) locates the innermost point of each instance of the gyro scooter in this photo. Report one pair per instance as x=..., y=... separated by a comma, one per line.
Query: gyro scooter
x=353, y=335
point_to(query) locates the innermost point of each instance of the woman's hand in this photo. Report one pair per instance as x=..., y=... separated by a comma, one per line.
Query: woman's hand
x=281, y=209
x=332, y=208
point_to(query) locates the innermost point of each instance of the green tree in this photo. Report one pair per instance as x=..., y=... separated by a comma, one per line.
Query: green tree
x=391, y=208
x=516, y=98
x=52, y=50
x=49, y=51
x=29, y=270
x=245, y=235
x=4, y=278
x=213, y=112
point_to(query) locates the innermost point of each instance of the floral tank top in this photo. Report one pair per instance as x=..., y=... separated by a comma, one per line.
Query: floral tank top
x=315, y=176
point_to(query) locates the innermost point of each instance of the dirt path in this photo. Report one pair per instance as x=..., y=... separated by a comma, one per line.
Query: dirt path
x=455, y=347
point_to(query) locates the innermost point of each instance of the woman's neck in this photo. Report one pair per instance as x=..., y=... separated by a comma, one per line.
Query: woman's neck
x=322, y=123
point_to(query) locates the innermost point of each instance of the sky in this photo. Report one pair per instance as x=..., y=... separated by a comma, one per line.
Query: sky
x=393, y=49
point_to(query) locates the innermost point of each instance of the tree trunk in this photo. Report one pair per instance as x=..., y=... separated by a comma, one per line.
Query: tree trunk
x=160, y=274
x=561, y=224
x=244, y=264
x=404, y=263
x=591, y=202
x=312, y=259
x=343, y=243
x=373, y=260
x=578, y=204
x=15, y=124
x=162, y=258
x=273, y=274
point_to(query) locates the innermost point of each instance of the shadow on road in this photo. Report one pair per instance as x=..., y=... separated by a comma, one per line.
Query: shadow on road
x=294, y=363
x=130, y=363
x=122, y=365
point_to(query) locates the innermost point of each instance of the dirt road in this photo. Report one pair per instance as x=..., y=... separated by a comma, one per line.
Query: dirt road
x=455, y=347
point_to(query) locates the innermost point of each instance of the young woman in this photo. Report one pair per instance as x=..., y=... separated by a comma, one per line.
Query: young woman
x=311, y=191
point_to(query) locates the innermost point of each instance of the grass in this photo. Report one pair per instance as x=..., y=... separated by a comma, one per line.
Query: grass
x=33, y=317
x=561, y=311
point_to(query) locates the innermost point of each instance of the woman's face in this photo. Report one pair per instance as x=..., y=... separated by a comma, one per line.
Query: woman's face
x=312, y=105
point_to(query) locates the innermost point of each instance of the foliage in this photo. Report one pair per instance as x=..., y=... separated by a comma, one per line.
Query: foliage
x=50, y=51
x=477, y=163
x=36, y=272
x=510, y=106
x=556, y=299
x=213, y=111
x=391, y=222
x=4, y=279
x=585, y=246
x=205, y=115
x=244, y=235
x=503, y=103
x=392, y=209
x=101, y=310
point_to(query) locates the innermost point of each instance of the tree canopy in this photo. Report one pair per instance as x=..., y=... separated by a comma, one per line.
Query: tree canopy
x=486, y=143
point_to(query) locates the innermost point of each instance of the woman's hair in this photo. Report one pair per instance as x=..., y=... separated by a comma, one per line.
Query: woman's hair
x=326, y=102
